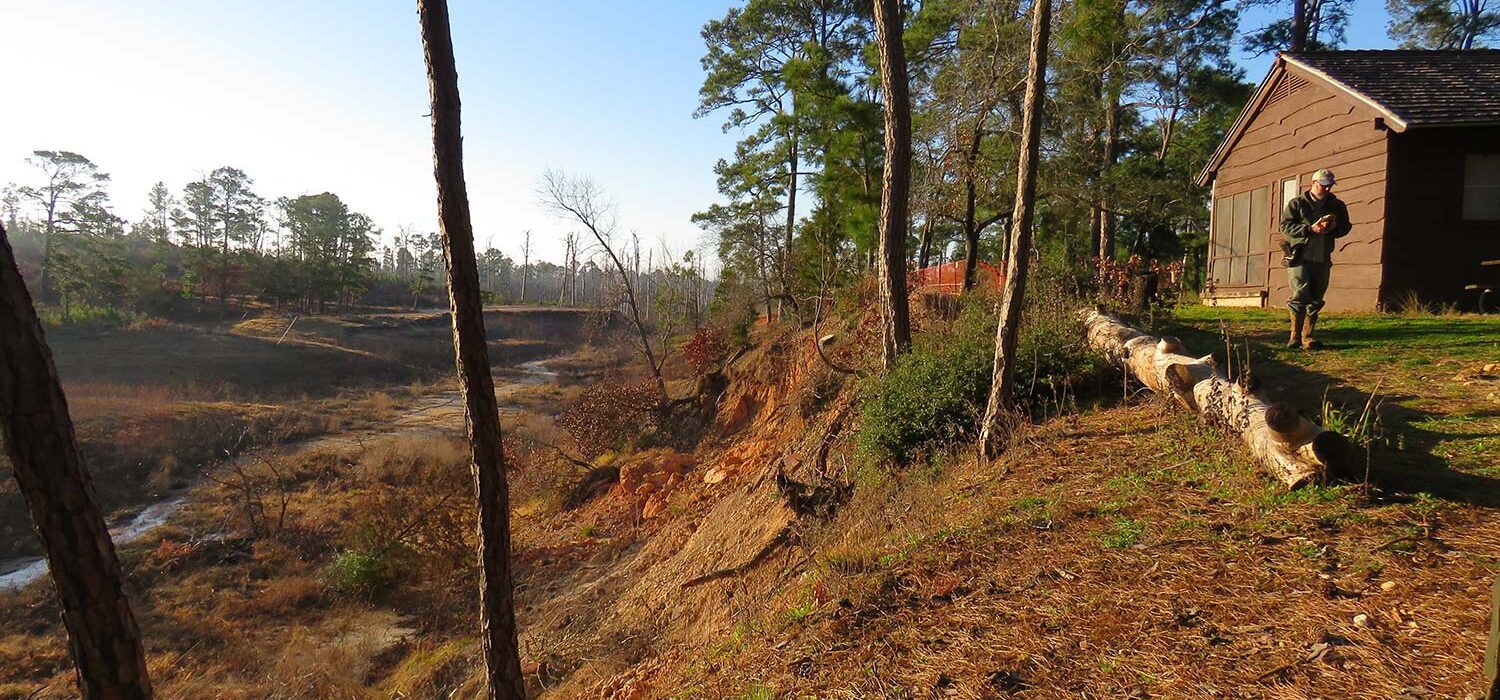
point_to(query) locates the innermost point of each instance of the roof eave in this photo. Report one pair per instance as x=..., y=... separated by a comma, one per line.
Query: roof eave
x=1451, y=124
x=1392, y=120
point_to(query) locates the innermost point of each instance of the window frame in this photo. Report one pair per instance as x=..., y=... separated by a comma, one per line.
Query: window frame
x=1481, y=200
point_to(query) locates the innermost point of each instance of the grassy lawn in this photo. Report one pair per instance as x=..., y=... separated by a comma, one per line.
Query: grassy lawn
x=1439, y=411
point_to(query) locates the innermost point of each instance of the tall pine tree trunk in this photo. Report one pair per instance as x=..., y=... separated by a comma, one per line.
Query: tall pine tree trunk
x=998, y=407
x=481, y=414
x=971, y=203
x=924, y=251
x=38, y=439
x=1110, y=155
x=45, y=289
x=895, y=180
x=1299, y=26
x=791, y=199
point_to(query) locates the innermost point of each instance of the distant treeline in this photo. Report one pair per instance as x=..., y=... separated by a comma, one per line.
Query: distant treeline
x=219, y=242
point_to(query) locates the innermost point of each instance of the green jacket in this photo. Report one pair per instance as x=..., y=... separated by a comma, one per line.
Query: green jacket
x=1299, y=216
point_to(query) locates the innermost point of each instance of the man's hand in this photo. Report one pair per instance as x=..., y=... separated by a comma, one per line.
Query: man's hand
x=1323, y=224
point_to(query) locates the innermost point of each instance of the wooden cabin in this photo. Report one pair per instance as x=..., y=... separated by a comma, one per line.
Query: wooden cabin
x=1414, y=140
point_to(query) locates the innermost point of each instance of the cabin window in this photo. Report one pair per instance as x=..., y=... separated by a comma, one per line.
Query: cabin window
x=1289, y=192
x=1482, y=188
x=1241, y=228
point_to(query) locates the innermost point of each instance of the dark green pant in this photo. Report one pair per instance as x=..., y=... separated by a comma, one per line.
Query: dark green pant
x=1309, y=283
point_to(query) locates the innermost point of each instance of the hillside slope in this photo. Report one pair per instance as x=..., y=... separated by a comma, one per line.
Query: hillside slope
x=1132, y=552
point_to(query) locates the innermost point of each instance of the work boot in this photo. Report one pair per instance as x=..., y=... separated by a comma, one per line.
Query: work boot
x=1295, y=341
x=1308, y=341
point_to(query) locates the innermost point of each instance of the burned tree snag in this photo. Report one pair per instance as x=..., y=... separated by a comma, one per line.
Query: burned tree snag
x=37, y=437
x=481, y=413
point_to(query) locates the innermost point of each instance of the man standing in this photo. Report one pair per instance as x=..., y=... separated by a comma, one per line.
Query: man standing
x=1310, y=223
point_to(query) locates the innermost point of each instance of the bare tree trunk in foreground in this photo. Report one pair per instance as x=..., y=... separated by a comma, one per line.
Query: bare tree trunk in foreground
x=895, y=180
x=37, y=437
x=1294, y=449
x=481, y=414
x=991, y=432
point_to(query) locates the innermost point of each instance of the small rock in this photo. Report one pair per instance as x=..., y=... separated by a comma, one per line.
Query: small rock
x=1387, y=586
x=655, y=505
x=1361, y=620
x=1492, y=368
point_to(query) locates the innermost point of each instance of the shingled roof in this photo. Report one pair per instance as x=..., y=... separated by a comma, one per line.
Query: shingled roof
x=1419, y=88
x=1407, y=88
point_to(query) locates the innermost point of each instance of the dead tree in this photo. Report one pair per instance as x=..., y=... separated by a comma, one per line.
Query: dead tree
x=581, y=200
x=1292, y=448
x=525, y=264
x=895, y=180
x=481, y=413
x=37, y=437
x=1017, y=265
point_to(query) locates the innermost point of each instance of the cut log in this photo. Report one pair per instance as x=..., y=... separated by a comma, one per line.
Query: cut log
x=1156, y=362
x=1294, y=449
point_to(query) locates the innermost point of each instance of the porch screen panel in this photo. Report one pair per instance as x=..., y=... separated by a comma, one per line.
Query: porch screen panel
x=1260, y=234
x=1240, y=241
x=1219, y=252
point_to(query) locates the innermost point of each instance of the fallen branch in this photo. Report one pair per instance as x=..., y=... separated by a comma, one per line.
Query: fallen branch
x=764, y=551
x=1294, y=449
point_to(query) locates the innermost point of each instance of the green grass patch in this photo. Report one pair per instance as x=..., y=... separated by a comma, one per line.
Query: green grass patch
x=756, y=692
x=1123, y=533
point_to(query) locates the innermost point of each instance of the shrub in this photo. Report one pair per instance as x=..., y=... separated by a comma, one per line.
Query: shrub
x=1141, y=290
x=705, y=350
x=1052, y=354
x=359, y=573
x=936, y=394
x=87, y=316
x=610, y=416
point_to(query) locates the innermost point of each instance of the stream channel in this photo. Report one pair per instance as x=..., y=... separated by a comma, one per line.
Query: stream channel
x=434, y=414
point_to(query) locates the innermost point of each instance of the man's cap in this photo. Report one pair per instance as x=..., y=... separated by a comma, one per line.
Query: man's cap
x=1324, y=177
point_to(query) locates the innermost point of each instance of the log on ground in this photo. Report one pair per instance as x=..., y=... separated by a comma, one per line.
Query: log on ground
x=1292, y=448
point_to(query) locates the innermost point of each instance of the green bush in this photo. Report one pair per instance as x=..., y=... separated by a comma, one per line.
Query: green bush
x=86, y=316
x=935, y=395
x=1052, y=354
x=359, y=572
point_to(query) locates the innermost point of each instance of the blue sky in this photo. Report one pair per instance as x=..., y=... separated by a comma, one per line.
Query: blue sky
x=331, y=96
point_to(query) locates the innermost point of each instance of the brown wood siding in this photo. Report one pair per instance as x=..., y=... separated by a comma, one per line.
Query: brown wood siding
x=1310, y=128
x=1431, y=249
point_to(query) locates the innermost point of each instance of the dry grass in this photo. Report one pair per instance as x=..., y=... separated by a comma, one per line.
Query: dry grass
x=231, y=606
x=1130, y=552
x=1124, y=554
x=251, y=612
x=155, y=406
